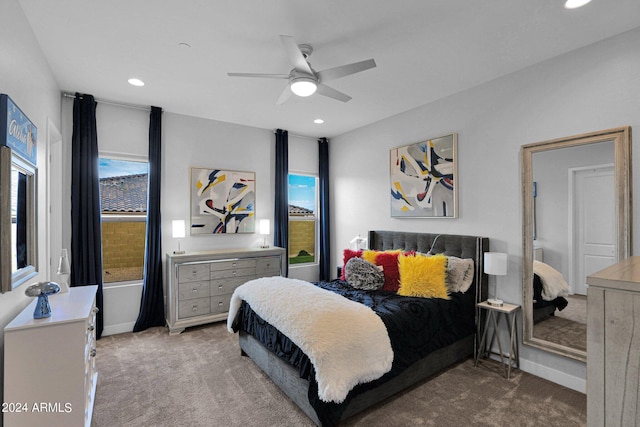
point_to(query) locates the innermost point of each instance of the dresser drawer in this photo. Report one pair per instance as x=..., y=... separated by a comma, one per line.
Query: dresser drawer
x=193, y=272
x=220, y=304
x=233, y=264
x=192, y=290
x=268, y=266
x=236, y=272
x=226, y=286
x=193, y=307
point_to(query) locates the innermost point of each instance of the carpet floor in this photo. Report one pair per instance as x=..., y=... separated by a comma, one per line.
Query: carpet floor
x=198, y=378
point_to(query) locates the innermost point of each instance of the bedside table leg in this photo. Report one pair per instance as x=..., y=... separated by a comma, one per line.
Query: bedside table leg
x=494, y=335
x=482, y=351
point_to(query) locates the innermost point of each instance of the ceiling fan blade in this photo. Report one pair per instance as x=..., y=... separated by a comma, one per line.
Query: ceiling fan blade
x=295, y=55
x=332, y=93
x=345, y=70
x=284, y=96
x=262, y=75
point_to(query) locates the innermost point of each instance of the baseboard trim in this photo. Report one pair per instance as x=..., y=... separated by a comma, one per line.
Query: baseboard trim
x=118, y=329
x=574, y=383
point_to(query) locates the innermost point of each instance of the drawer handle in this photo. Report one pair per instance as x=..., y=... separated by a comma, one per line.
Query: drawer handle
x=219, y=286
x=194, y=308
x=93, y=352
x=220, y=304
x=235, y=272
x=91, y=327
x=234, y=264
x=194, y=290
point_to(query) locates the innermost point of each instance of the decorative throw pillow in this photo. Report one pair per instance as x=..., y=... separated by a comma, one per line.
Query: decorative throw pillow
x=389, y=263
x=459, y=274
x=370, y=255
x=346, y=256
x=363, y=275
x=422, y=276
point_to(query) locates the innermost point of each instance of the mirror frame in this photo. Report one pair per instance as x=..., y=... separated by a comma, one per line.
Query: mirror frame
x=9, y=279
x=621, y=138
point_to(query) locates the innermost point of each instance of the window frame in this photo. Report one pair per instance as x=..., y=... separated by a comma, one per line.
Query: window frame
x=123, y=217
x=315, y=217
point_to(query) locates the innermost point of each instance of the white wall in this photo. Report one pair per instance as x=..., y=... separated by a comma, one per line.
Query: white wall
x=26, y=77
x=589, y=89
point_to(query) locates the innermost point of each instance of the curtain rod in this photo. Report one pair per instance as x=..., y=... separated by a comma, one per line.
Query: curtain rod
x=300, y=136
x=105, y=101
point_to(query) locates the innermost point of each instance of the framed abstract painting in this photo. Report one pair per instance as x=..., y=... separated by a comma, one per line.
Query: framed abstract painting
x=222, y=201
x=423, y=179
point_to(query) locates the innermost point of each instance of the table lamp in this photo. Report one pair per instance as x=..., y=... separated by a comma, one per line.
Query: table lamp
x=495, y=263
x=264, y=230
x=177, y=232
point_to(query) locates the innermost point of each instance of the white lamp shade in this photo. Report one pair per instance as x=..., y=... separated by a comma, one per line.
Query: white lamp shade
x=264, y=226
x=495, y=263
x=177, y=228
x=63, y=264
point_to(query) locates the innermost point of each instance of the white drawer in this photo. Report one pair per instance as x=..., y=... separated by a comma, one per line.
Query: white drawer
x=268, y=266
x=193, y=307
x=233, y=264
x=193, y=272
x=220, y=304
x=226, y=286
x=192, y=290
x=236, y=272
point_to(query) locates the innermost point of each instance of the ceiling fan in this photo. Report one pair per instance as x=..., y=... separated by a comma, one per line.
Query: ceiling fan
x=304, y=80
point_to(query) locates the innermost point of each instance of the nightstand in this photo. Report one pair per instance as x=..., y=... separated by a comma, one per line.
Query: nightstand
x=494, y=314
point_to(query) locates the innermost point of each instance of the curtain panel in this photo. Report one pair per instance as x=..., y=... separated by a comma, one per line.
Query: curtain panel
x=86, y=227
x=325, y=229
x=152, y=302
x=281, y=211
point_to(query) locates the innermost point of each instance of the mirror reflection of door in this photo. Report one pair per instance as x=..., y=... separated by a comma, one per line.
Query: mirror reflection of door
x=575, y=230
x=593, y=223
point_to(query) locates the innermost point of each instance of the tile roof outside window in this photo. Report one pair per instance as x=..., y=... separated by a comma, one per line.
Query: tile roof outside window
x=124, y=194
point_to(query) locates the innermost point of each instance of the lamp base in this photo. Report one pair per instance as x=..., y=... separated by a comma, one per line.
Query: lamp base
x=64, y=287
x=495, y=302
x=178, y=252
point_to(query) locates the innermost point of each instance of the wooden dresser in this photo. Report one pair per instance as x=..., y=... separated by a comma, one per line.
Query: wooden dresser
x=49, y=364
x=613, y=345
x=200, y=284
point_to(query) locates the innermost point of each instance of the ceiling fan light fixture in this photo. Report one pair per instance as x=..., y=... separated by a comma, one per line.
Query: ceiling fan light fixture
x=303, y=86
x=574, y=4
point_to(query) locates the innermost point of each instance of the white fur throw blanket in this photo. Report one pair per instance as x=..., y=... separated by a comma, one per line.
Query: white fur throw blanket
x=346, y=341
x=553, y=284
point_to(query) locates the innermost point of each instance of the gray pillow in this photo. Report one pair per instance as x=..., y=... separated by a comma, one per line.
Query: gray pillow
x=459, y=274
x=361, y=274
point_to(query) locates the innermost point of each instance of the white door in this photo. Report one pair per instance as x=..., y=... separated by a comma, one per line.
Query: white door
x=593, y=214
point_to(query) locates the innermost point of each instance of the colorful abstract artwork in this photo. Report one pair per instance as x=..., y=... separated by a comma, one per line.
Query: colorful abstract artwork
x=423, y=179
x=222, y=201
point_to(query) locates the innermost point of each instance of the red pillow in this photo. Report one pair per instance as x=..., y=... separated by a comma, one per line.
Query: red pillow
x=389, y=263
x=346, y=256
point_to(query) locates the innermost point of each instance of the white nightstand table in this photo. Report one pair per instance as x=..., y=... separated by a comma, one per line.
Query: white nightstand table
x=494, y=313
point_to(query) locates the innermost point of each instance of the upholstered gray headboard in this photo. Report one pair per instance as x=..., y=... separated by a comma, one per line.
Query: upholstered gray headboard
x=472, y=247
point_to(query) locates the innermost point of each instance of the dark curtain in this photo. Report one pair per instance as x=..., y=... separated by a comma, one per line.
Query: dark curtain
x=86, y=238
x=21, y=222
x=325, y=229
x=281, y=212
x=152, y=303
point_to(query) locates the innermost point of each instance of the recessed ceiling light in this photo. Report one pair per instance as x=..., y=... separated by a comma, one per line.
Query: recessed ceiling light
x=136, y=82
x=318, y=121
x=574, y=4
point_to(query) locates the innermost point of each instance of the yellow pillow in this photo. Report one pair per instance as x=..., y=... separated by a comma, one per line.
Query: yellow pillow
x=422, y=276
x=370, y=255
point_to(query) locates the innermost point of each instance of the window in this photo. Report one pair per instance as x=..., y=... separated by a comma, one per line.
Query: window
x=303, y=218
x=123, y=201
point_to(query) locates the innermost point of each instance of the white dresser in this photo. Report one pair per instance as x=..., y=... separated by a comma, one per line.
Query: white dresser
x=49, y=364
x=200, y=284
x=613, y=343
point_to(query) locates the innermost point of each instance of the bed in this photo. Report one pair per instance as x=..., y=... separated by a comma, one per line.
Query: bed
x=549, y=290
x=453, y=324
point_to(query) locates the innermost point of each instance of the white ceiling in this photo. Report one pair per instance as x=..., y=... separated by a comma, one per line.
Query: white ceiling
x=424, y=49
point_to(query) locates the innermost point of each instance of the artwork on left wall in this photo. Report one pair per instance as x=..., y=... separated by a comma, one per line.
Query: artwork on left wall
x=222, y=201
x=423, y=179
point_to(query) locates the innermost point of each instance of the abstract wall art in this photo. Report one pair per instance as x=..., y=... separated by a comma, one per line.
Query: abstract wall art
x=423, y=179
x=222, y=201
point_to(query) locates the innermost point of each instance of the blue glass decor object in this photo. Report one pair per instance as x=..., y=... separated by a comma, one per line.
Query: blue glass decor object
x=42, y=290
